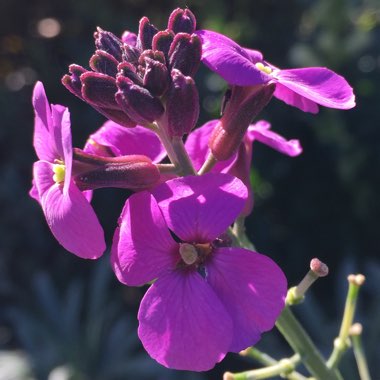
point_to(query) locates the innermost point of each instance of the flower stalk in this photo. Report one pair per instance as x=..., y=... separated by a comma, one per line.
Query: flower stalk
x=341, y=343
x=356, y=339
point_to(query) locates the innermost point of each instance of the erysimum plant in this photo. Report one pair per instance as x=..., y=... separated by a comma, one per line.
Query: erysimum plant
x=182, y=230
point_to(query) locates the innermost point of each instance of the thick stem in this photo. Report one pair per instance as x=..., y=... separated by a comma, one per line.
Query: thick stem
x=208, y=164
x=361, y=360
x=185, y=163
x=301, y=343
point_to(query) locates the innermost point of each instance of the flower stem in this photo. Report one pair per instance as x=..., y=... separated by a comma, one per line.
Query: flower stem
x=265, y=359
x=238, y=230
x=361, y=361
x=208, y=164
x=301, y=343
x=185, y=163
x=341, y=343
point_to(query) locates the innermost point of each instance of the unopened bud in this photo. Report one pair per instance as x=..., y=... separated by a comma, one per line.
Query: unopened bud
x=104, y=63
x=162, y=41
x=108, y=42
x=182, y=105
x=319, y=268
x=129, y=38
x=244, y=104
x=146, y=33
x=140, y=105
x=356, y=329
x=356, y=279
x=72, y=81
x=156, y=77
x=99, y=90
x=185, y=53
x=128, y=70
x=131, y=54
x=182, y=21
x=127, y=172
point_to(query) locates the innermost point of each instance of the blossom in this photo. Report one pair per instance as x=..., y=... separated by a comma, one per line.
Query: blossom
x=239, y=164
x=304, y=88
x=208, y=298
x=69, y=215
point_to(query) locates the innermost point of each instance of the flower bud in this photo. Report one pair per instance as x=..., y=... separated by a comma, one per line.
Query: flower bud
x=104, y=63
x=244, y=104
x=182, y=105
x=182, y=21
x=156, y=77
x=127, y=70
x=185, y=53
x=162, y=41
x=129, y=38
x=140, y=105
x=99, y=90
x=133, y=172
x=146, y=33
x=72, y=81
x=131, y=54
x=109, y=43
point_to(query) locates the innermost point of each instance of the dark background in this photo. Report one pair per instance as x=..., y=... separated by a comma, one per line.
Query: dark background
x=61, y=316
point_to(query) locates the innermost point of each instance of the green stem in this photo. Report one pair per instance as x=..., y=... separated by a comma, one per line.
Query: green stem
x=238, y=230
x=341, y=343
x=301, y=343
x=265, y=359
x=361, y=360
x=208, y=164
x=185, y=163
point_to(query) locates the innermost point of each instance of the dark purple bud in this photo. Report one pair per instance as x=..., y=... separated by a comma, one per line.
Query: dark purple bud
x=140, y=105
x=243, y=106
x=117, y=116
x=108, y=42
x=72, y=81
x=99, y=90
x=127, y=70
x=104, y=63
x=162, y=41
x=182, y=105
x=156, y=78
x=129, y=38
x=133, y=172
x=182, y=21
x=185, y=53
x=146, y=33
x=152, y=54
x=131, y=54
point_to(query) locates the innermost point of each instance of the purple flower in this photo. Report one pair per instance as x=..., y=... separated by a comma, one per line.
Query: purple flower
x=239, y=164
x=303, y=88
x=68, y=213
x=208, y=298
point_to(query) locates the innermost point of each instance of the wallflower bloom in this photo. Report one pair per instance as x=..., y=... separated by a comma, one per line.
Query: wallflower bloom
x=303, y=88
x=209, y=298
x=239, y=164
x=68, y=213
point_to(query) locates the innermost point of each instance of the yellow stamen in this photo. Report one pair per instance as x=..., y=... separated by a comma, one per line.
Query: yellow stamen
x=263, y=68
x=59, y=173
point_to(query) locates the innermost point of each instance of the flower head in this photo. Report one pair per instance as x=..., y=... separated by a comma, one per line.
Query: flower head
x=209, y=298
x=304, y=88
x=68, y=213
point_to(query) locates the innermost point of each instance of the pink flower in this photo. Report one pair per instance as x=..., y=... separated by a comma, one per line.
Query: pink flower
x=304, y=88
x=68, y=213
x=239, y=164
x=208, y=298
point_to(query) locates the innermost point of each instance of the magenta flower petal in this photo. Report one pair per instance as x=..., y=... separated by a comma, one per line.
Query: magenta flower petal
x=264, y=135
x=70, y=217
x=145, y=248
x=33, y=192
x=197, y=147
x=318, y=84
x=251, y=287
x=229, y=60
x=194, y=207
x=182, y=324
x=125, y=141
x=43, y=139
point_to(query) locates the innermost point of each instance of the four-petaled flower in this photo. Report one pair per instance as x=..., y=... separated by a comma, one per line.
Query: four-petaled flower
x=303, y=88
x=68, y=213
x=208, y=298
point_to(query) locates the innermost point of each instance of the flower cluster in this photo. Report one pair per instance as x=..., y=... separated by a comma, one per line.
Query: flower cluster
x=209, y=295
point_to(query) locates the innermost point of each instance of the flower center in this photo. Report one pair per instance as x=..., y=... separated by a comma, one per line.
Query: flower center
x=59, y=173
x=194, y=254
x=263, y=68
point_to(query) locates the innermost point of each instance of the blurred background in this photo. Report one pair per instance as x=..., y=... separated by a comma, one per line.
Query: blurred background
x=65, y=318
